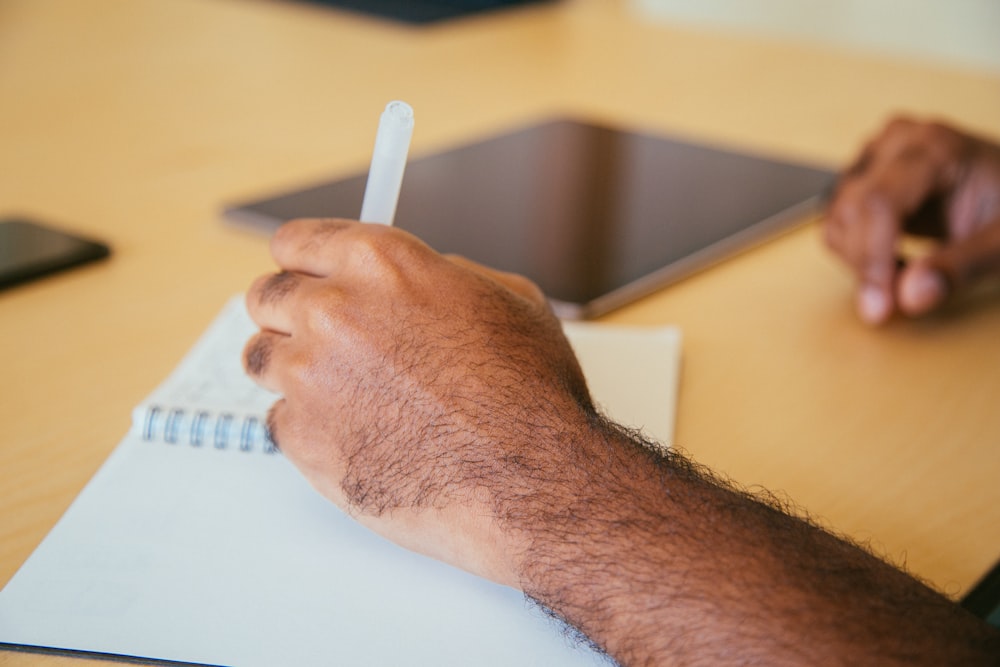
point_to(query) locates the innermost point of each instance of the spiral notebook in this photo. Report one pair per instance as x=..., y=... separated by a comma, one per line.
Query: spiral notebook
x=198, y=542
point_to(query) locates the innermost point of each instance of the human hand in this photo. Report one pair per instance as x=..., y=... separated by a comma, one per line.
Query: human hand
x=422, y=394
x=438, y=402
x=925, y=179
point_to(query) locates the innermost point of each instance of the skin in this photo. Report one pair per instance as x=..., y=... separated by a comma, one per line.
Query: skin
x=438, y=402
x=923, y=179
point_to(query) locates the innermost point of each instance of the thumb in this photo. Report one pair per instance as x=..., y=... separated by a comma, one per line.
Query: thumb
x=928, y=281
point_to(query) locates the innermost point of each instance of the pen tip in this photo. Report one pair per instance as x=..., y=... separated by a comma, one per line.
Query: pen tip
x=400, y=111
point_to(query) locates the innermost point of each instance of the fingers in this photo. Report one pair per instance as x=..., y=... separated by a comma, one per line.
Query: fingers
x=263, y=359
x=323, y=247
x=283, y=302
x=267, y=302
x=268, y=297
x=908, y=163
x=310, y=246
x=305, y=245
x=874, y=249
x=927, y=282
x=864, y=230
x=283, y=305
x=922, y=288
x=337, y=278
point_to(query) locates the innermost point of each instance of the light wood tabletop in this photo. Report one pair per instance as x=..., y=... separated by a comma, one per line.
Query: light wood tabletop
x=136, y=121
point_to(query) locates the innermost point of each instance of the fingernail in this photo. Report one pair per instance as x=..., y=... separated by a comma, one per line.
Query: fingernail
x=922, y=290
x=873, y=305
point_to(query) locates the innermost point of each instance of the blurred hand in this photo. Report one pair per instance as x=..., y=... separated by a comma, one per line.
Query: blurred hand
x=926, y=179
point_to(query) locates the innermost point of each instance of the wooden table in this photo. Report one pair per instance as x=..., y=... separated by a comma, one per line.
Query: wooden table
x=137, y=120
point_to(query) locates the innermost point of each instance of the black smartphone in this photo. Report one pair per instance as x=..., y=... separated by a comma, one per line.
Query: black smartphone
x=29, y=250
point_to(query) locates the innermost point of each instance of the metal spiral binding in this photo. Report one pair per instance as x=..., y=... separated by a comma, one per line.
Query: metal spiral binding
x=222, y=430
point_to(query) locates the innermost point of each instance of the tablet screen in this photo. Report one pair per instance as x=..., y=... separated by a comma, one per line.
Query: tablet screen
x=595, y=215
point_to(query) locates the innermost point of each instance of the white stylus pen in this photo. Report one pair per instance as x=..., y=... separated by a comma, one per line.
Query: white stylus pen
x=385, y=176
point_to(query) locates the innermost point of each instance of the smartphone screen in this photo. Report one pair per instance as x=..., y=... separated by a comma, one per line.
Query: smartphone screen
x=29, y=250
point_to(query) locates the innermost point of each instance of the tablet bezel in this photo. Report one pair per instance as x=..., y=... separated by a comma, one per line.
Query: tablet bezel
x=477, y=165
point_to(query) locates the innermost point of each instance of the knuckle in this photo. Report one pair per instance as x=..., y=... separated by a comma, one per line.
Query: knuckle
x=869, y=199
x=388, y=257
x=306, y=232
x=374, y=249
x=300, y=372
x=948, y=145
x=257, y=355
x=937, y=131
x=323, y=309
x=900, y=123
x=257, y=287
x=851, y=198
x=528, y=288
x=287, y=232
x=278, y=286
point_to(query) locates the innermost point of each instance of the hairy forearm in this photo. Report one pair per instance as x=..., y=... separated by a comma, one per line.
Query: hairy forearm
x=440, y=404
x=657, y=563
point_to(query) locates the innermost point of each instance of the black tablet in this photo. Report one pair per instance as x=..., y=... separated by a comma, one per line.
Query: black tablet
x=596, y=215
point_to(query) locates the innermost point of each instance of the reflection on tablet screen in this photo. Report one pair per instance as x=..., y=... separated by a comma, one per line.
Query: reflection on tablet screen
x=597, y=216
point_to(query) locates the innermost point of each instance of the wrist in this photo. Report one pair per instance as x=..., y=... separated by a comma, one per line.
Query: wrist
x=583, y=545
